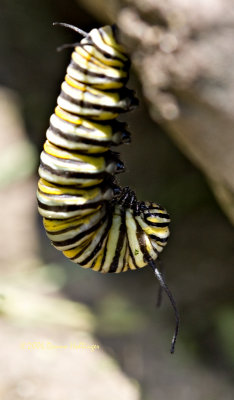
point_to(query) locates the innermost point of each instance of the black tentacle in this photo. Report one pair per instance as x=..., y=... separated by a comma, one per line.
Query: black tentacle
x=72, y=27
x=173, y=303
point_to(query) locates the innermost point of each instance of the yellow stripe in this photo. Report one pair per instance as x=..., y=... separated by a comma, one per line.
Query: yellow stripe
x=77, y=250
x=88, y=57
x=96, y=65
x=98, y=261
x=48, y=188
x=84, y=54
x=54, y=225
x=152, y=230
x=112, y=242
x=121, y=256
x=93, y=163
x=133, y=242
x=66, y=116
x=157, y=219
x=110, y=40
x=75, y=84
x=102, y=131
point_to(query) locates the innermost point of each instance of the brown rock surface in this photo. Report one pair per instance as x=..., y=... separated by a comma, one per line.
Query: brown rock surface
x=183, y=54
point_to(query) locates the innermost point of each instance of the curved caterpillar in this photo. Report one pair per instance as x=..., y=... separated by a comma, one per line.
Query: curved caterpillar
x=86, y=214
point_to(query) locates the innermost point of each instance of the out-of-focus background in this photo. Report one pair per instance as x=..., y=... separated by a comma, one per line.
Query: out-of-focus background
x=69, y=333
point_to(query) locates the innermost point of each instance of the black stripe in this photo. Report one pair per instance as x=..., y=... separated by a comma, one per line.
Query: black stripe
x=62, y=185
x=153, y=206
x=158, y=239
x=125, y=63
x=109, y=157
x=114, y=31
x=68, y=174
x=105, y=248
x=61, y=159
x=106, y=233
x=103, y=257
x=63, y=230
x=90, y=42
x=86, y=244
x=160, y=215
x=114, y=57
x=132, y=257
x=78, y=139
x=85, y=104
x=71, y=207
x=87, y=72
x=141, y=240
x=115, y=125
x=75, y=125
x=80, y=235
x=158, y=224
x=124, y=259
x=77, y=152
x=119, y=246
x=69, y=228
x=61, y=196
x=99, y=245
x=102, y=191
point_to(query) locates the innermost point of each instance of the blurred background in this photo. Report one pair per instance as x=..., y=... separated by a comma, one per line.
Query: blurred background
x=180, y=157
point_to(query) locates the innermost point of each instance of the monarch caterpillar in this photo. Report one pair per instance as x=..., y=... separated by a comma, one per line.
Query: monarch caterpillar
x=86, y=214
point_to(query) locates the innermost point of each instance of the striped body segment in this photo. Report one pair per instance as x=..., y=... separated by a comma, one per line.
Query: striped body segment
x=112, y=239
x=86, y=215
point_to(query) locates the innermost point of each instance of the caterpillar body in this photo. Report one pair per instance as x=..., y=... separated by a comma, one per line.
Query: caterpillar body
x=86, y=214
